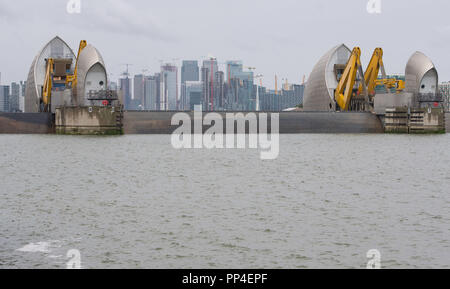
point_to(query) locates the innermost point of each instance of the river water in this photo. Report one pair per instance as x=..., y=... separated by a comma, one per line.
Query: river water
x=135, y=202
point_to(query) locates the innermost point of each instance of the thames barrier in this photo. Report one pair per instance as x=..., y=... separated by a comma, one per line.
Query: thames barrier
x=67, y=94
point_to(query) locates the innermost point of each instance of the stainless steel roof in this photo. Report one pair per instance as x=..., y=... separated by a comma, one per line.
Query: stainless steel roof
x=417, y=67
x=55, y=48
x=319, y=90
x=89, y=57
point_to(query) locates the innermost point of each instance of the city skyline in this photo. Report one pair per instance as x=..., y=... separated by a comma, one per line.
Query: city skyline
x=232, y=86
x=275, y=41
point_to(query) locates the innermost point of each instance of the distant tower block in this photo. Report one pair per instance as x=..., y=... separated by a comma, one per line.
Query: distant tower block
x=320, y=87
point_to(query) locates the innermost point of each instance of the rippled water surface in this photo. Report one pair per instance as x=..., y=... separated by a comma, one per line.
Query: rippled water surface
x=134, y=202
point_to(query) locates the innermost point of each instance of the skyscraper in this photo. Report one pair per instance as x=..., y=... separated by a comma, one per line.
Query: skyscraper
x=125, y=91
x=219, y=91
x=194, y=91
x=234, y=67
x=139, y=90
x=241, y=94
x=150, y=93
x=4, y=98
x=206, y=88
x=189, y=72
x=14, y=98
x=112, y=85
x=209, y=70
x=23, y=86
x=169, y=87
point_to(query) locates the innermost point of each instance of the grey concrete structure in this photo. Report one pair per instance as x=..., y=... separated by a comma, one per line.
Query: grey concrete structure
x=390, y=100
x=319, y=91
x=26, y=123
x=146, y=122
x=447, y=122
x=421, y=75
x=136, y=122
x=56, y=48
x=88, y=120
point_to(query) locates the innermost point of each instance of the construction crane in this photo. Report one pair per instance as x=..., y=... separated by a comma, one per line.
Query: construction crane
x=371, y=76
x=48, y=84
x=345, y=89
x=73, y=79
x=390, y=83
x=126, y=73
x=276, y=85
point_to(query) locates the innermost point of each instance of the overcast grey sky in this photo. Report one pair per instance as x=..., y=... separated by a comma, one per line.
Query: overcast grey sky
x=283, y=37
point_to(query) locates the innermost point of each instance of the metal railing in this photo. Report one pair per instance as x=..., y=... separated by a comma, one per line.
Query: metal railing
x=102, y=95
x=430, y=97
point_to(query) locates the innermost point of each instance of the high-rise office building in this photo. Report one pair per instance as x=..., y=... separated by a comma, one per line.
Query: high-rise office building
x=169, y=87
x=206, y=88
x=158, y=90
x=4, y=98
x=234, y=67
x=219, y=91
x=194, y=94
x=190, y=71
x=14, y=98
x=209, y=69
x=151, y=84
x=125, y=92
x=240, y=93
x=444, y=90
x=211, y=64
x=138, y=87
x=112, y=85
x=23, y=86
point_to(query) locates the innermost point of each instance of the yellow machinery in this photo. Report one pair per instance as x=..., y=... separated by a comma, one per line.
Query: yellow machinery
x=49, y=74
x=371, y=75
x=48, y=83
x=72, y=79
x=345, y=90
x=398, y=84
x=372, y=72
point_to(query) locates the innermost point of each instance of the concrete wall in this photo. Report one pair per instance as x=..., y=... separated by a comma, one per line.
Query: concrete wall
x=159, y=122
x=384, y=100
x=87, y=120
x=26, y=123
x=136, y=122
x=447, y=122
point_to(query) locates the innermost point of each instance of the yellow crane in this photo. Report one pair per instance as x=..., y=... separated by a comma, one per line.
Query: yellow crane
x=389, y=83
x=371, y=75
x=73, y=79
x=345, y=89
x=48, y=81
x=48, y=84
